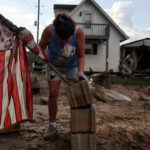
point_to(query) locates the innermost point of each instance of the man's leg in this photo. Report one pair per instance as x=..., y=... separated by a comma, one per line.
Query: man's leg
x=52, y=107
x=52, y=103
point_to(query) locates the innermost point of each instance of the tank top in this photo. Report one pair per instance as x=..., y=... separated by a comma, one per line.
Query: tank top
x=63, y=56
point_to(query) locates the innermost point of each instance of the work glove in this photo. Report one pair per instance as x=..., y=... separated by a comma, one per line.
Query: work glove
x=81, y=76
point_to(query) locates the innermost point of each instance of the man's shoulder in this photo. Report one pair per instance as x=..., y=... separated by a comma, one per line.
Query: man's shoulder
x=79, y=32
x=48, y=28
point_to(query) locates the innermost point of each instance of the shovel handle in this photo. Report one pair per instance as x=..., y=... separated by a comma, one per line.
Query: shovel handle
x=56, y=70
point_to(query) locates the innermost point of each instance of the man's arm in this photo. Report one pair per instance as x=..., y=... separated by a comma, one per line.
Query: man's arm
x=80, y=49
x=45, y=38
x=80, y=53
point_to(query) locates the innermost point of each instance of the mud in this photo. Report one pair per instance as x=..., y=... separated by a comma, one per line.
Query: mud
x=120, y=125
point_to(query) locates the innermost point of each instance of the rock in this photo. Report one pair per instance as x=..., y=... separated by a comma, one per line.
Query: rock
x=144, y=98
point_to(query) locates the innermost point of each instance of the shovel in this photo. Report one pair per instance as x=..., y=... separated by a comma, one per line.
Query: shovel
x=78, y=93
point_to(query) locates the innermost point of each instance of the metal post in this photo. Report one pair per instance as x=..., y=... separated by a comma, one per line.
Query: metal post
x=38, y=21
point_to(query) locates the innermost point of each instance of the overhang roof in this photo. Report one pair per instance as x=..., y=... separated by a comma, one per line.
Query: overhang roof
x=139, y=43
x=64, y=7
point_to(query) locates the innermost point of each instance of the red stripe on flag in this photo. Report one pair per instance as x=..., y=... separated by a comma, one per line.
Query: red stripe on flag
x=15, y=92
x=28, y=88
x=16, y=102
x=10, y=78
x=21, y=58
x=16, y=51
x=28, y=38
x=45, y=56
x=7, y=121
x=35, y=50
x=2, y=62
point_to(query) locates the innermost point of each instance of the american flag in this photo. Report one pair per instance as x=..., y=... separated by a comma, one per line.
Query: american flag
x=15, y=85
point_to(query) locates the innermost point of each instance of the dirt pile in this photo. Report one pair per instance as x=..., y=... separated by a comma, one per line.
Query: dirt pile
x=120, y=125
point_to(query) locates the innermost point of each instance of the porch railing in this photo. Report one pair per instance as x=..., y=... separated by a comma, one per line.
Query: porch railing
x=95, y=31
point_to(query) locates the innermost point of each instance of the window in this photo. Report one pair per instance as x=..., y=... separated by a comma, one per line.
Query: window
x=91, y=49
x=88, y=48
x=94, y=49
x=87, y=19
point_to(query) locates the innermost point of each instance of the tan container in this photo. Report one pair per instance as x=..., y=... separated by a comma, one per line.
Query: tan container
x=83, y=120
x=79, y=94
x=83, y=142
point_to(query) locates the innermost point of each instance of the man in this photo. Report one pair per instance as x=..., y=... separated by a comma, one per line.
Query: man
x=65, y=49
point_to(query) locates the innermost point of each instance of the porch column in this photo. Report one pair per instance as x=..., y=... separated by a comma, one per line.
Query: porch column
x=107, y=53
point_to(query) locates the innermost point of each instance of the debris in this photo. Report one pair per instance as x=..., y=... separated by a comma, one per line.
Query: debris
x=135, y=57
x=101, y=88
x=102, y=79
x=35, y=84
x=144, y=98
x=106, y=95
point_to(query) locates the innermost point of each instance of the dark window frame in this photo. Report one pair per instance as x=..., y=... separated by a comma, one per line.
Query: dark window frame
x=92, y=50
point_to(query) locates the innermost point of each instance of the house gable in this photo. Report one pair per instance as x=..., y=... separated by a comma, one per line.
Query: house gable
x=91, y=5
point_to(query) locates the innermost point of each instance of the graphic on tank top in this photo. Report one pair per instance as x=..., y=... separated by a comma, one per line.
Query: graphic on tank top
x=64, y=56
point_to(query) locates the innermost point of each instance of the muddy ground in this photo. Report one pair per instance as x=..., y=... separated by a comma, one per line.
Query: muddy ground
x=120, y=125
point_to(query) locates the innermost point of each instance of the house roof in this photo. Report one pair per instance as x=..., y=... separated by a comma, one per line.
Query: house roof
x=138, y=43
x=64, y=7
x=105, y=14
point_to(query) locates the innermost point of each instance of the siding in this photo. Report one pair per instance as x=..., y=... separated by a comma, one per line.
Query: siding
x=96, y=62
x=114, y=50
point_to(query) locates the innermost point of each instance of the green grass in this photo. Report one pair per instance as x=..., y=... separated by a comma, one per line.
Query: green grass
x=131, y=81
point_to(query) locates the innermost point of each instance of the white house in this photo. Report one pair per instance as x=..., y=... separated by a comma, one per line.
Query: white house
x=103, y=35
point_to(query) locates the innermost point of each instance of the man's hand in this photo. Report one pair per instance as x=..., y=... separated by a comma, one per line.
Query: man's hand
x=81, y=75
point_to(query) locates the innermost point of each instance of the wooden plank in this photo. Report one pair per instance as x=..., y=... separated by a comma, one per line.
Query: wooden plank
x=73, y=98
x=83, y=141
x=79, y=94
x=86, y=92
x=83, y=120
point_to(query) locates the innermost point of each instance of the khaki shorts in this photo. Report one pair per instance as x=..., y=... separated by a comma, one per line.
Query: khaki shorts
x=70, y=73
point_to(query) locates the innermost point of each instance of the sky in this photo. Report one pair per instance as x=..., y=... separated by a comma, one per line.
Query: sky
x=133, y=16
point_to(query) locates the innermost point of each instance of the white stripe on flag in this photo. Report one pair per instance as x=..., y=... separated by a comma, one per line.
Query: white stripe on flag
x=40, y=53
x=12, y=112
x=31, y=44
x=20, y=87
